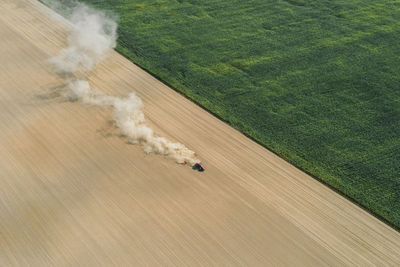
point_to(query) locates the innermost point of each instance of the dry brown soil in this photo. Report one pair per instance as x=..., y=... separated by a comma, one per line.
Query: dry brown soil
x=74, y=193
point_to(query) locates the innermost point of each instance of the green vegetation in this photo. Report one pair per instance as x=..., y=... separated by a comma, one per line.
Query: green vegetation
x=316, y=81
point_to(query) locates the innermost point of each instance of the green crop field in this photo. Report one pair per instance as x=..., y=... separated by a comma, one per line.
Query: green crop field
x=315, y=81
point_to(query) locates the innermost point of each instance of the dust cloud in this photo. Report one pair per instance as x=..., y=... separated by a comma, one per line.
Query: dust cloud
x=93, y=34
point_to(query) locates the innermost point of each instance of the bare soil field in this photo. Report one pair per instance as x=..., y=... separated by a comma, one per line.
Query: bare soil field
x=74, y=193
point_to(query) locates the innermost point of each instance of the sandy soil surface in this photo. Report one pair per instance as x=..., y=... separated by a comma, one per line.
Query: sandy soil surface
x=73, y=193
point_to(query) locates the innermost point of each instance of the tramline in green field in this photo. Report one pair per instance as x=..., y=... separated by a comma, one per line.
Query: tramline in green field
x=317, y=82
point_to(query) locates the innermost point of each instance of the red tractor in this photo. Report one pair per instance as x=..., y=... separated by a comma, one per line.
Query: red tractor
x=198, y=166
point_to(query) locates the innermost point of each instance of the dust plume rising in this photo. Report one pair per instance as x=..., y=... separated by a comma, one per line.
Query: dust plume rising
x=91, y=37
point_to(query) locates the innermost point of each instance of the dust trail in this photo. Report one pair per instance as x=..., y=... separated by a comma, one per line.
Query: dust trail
x=92, y=36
